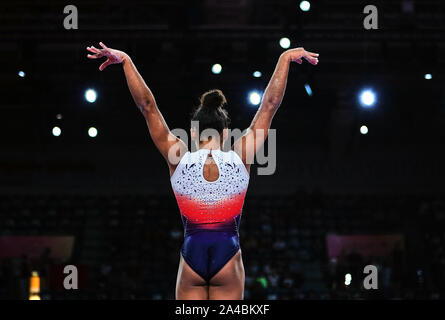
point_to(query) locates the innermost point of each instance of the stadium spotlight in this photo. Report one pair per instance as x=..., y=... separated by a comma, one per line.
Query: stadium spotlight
x=90, y=95
x=257, y=74
x=367, y=98
x=305, y=5
x=21, y=74
x=428, y=76
x=56, y=131
x=308, y=89
x=216, y=68
x=363, y=129
x=285, y=43
x=254, y=97
x=92, y=132
x=348, y=279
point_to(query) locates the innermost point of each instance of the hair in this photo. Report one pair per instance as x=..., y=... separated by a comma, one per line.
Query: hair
x=211, y=112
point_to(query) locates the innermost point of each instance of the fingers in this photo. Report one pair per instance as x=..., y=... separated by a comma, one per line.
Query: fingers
x=311, y=57
x=300, y=53
x=93, y=49
x=104, y=65
x=313, y=61
x=97, y=53
x=312, y=54
x=105, y=49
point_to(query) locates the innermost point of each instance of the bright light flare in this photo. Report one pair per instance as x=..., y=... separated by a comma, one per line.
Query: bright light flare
x=367, y=98
x=90, y=95
x=56, y=131
x=364, y=130
x=255, y=98
x=92, y=132
x=305, y=6
x=216, y=68
x=285, y=43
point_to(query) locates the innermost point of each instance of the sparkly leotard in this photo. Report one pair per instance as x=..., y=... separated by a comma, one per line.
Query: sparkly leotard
x=210, y=211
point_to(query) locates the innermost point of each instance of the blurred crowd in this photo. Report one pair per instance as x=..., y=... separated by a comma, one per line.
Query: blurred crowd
x=128, y=246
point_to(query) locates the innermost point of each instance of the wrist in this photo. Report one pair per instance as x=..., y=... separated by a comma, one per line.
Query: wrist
x=285, y=56
x=125, y=59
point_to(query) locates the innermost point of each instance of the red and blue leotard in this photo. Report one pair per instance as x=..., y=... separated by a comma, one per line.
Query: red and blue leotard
x=210, y=211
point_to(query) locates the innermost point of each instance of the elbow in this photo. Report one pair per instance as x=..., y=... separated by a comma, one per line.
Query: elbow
x=271, y=101
x=146, y=108
x=272, y=104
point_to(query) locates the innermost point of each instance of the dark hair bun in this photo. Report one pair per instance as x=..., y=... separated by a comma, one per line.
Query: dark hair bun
x=211, y=114
x=213, y=99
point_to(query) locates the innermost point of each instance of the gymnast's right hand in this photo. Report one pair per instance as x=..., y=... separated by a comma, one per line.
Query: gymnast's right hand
x=113, y=56
x=298, y=54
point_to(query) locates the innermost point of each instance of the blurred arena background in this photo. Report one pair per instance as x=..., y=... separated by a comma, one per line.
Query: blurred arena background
x=356, y=182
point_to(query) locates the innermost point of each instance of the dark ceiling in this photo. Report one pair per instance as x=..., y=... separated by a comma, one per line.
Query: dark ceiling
x=174, y=44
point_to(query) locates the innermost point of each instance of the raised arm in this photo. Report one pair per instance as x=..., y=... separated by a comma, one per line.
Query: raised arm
x=247, y=145
x=145, y=101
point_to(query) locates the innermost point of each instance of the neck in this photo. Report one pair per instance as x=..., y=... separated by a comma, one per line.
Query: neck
x=212, y=145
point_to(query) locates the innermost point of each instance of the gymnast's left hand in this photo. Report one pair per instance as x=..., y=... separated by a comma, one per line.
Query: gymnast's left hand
x=113, y=56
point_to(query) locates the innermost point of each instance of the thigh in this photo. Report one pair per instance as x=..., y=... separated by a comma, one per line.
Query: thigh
x=228, y=283
x=189, y=285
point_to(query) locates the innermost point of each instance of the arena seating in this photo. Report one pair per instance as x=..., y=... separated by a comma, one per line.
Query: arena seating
x=129, y=244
